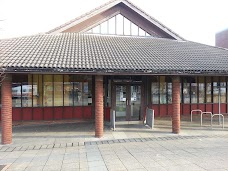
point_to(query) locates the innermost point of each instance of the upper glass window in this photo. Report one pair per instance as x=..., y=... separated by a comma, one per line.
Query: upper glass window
x=118, y=25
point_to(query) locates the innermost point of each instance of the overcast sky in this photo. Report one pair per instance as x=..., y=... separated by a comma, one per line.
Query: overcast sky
x=195, y=20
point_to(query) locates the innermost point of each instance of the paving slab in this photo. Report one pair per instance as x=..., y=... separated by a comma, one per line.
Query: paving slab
x=131, y=147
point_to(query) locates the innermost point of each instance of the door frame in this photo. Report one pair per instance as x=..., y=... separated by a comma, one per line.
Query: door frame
x=128, y=96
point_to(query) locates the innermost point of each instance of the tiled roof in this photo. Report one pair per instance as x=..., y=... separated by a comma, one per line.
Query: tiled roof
x=71, y=52
x=108, y=5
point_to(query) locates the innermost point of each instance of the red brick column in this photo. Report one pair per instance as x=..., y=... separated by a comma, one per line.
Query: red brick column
x=99, y=106
x=7, y=110
x=176, y=105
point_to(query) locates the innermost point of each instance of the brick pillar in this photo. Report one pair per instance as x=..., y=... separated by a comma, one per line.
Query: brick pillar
x=7, y=110
x=176, y=105
x=99, y=106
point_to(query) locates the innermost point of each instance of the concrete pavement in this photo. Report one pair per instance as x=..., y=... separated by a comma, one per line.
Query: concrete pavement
x=72, y=146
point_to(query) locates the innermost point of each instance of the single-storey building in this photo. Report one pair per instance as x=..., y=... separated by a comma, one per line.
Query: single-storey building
x=114, y=57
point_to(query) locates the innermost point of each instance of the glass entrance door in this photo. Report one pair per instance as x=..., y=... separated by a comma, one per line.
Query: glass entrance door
x=128, y=102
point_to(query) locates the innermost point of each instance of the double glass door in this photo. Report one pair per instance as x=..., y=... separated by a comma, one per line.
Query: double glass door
x=128, y=102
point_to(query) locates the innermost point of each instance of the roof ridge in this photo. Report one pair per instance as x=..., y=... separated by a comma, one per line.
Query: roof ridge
x=81, y=16
x=165, y=28
x=153, y=18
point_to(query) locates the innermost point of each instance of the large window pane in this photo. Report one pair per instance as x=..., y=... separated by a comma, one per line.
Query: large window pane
x=127, y=29
x=201, y=90
x=27, y=92
x=68, y=90
x=16, y=94
x=134, y=30
x=119, y=24
x=215, y=90
x=37, y=91
x=186, y=91
x=112, y=26
x=155, y=90
x=104, y=27
x=147, y=34
x=48, y=90
x=169, y=93
x=87, y=92
x=142, y=32
x=194, y=91
x=58, y=90
x=96, y=29
x=223, y=90
x=77, y=93
x=208, y=89
x=162, y=90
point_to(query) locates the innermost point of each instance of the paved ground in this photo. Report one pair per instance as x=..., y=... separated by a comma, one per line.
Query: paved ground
x=72, y=146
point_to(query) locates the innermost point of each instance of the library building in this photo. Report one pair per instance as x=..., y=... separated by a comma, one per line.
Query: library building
x=115, y=57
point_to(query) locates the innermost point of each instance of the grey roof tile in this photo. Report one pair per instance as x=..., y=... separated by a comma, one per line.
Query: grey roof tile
x=78, y=52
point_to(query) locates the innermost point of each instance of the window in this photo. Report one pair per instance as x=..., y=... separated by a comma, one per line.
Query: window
x=58, y=90
x=162, y=90
x=186, y=90
x=112, y=26
x=87, y=92
x=16, y=94
x=155, y=90
x=96, y=29
x=37, y=91
x=127, y=27
x=68, y=90
x=27, y=92
x=194, y=91
x=119, y=24
x=169, y=89
x=134, y=30
x=142, y=32
x=22, y=90
x=215, y=90
x=201, y=90
x=51, y=90
x=208, y=89
x=222, y=90
x=48, y=90
x=104, y=27
x=77, y=94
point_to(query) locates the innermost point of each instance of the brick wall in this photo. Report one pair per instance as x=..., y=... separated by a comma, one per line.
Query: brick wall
x=7, y=110
x=176, y=105
x=99, y=106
